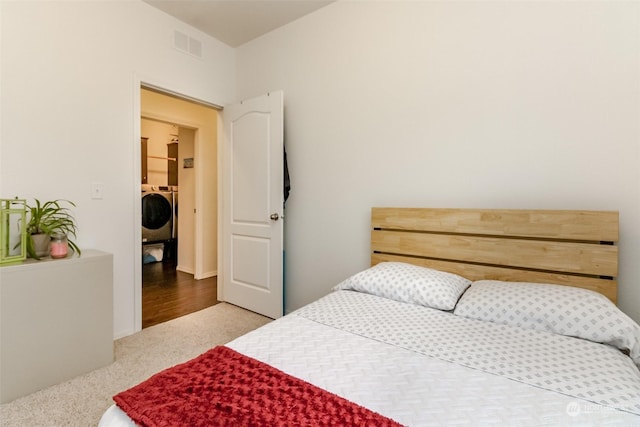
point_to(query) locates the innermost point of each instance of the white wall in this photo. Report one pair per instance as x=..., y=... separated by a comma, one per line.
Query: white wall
x=451, y=104
x=187, y=205
x=70, y=74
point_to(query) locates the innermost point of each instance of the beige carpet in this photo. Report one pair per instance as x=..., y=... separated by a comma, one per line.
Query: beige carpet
x=81, y=401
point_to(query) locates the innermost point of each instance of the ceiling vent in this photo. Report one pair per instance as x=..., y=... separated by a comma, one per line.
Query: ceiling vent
x=187, y=44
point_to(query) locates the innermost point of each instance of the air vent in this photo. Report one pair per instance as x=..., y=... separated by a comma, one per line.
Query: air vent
x=195, y=47
x=187, y=44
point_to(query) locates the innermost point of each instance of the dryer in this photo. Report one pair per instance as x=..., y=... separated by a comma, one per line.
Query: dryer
x=157, y=213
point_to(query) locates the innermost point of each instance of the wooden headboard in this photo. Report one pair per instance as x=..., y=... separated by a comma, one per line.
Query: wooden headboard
x=573, y=248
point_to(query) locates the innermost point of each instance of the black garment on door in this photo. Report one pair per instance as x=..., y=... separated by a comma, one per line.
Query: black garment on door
x=287, y=181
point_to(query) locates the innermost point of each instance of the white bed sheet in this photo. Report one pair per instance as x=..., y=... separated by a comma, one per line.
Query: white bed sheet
x=410, y=387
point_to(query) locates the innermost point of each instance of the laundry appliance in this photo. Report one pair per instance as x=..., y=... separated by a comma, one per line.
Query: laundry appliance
x=157, y=213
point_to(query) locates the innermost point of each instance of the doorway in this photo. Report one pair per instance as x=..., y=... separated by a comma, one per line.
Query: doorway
x=180, y=159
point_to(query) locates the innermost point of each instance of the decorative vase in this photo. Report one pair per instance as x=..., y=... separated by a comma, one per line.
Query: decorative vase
x=59, y=246
x=41, y=244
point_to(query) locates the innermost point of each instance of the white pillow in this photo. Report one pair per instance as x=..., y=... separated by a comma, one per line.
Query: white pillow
x=409, y=283
x=563, y=310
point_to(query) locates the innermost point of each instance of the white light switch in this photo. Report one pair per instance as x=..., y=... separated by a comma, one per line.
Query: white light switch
x=97, y=189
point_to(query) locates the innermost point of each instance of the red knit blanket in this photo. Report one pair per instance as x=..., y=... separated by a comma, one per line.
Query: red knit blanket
x=225, y=388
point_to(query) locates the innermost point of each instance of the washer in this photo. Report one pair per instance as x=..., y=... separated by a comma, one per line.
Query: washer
x=157, y=213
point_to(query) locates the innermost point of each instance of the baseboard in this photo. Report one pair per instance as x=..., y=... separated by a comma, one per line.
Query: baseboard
x=184, y=269
x=190, y=271
x=207, y=275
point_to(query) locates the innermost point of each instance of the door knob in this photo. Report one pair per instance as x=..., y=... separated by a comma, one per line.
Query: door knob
x=274, y=216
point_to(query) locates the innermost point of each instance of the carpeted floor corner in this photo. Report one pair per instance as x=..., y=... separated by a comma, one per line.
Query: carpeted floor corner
x=82, y=400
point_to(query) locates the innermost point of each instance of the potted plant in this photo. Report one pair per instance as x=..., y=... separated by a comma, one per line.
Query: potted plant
x=48, y=219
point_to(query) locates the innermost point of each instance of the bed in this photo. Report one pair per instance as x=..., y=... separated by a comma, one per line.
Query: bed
x=465, y=317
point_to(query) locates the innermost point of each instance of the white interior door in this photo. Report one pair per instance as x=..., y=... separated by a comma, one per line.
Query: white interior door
x=252, y=205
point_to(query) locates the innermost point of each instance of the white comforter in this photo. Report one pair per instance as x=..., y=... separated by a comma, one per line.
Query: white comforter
x=422, y=366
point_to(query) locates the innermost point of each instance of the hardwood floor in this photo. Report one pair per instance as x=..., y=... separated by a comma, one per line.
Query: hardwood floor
x=168, y=294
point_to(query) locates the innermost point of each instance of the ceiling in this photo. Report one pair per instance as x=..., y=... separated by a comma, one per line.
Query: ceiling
x=236, y=22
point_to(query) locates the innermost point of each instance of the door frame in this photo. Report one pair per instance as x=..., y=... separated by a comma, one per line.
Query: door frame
x=140, y=83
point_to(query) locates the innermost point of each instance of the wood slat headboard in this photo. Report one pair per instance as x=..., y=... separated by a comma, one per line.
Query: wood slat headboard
x=573, y=248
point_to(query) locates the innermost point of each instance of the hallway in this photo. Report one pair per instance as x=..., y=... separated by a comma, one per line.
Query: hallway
x=168, y=294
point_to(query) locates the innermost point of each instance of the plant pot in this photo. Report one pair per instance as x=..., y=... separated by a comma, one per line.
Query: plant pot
x=41, y=244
